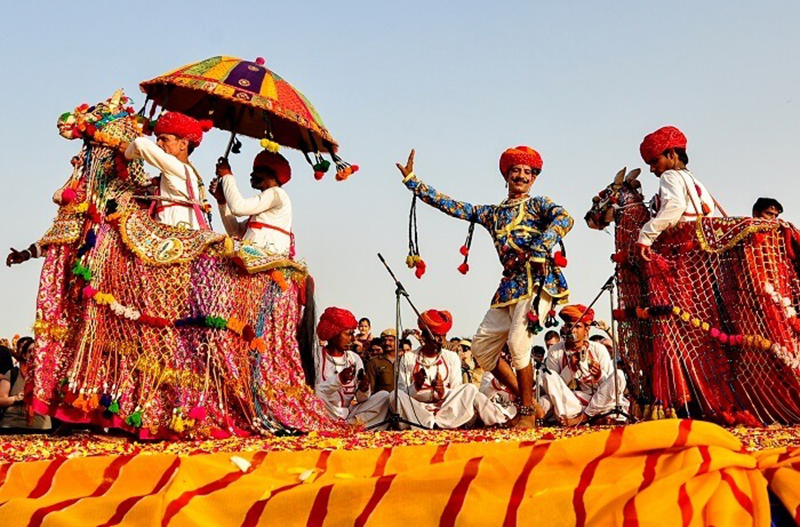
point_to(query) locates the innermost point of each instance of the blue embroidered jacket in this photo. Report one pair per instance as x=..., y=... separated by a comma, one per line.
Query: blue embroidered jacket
x=524, y=231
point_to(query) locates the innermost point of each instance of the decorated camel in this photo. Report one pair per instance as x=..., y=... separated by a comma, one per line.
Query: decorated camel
x=158, y=330
x=709, y=327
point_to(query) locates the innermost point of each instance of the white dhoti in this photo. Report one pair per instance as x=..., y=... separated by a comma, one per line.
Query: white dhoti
x=567, y=403
x=462, y=406
x=372, y=411
x=507, y=324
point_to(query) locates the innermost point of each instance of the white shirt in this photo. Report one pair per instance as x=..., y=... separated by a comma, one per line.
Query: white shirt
x=271, y=207
x=558, y=362
x=330, y=388
x=446, y=365
x=173, y=182
x=679, y=201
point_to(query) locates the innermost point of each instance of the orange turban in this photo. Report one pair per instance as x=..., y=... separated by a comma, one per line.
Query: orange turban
x=333, y=321
x=439, y=322
x=571, y=313
x=183, y=126
x=520, y=155
x=660, y=141
x=276, y=163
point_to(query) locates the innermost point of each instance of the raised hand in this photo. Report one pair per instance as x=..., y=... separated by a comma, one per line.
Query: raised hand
x=223, y=168
x=17, y=257
x=409, y=168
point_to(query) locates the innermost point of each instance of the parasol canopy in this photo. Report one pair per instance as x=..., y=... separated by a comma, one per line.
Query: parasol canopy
x=245, y=98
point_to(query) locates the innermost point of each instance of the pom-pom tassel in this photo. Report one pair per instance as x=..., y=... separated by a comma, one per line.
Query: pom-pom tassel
x=464, y=267
x=413, y=260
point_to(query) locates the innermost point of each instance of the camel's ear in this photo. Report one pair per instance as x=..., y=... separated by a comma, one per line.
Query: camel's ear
x=620, y=177
x=632, y=175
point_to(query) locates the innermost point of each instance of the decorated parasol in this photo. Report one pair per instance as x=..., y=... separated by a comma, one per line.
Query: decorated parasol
x=247, y=98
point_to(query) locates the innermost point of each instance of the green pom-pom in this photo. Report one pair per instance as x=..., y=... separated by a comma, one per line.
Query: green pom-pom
x=322, y=166
x=135, y=419
x=114, y=408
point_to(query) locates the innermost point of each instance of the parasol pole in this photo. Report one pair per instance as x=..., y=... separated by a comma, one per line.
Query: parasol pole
x=231, y=141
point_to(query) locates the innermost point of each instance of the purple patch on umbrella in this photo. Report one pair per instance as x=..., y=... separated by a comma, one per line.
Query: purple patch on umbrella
x=246, y=76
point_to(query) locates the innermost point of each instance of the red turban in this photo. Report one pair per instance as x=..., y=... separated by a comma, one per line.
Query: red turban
x=520, y=155
x=660, y=141
x=183, y=126
x=333, y=321
x=571, y=313
x=276, y=162
x=439, y=322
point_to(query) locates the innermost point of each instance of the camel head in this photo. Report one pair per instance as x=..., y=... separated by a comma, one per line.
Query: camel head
x=624, y=191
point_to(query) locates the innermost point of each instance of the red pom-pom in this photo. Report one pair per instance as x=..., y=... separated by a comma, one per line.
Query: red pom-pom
x=723, y=338
x=68, y=195
x=463, y=268
x=354, y=169
x=420, y=264
x=318, y=175
x=206, y=125
x=533, y=317
x=619, y=257
x=90, y=130
x=419, y=272
x=464, y=250
x=260, y=61
x=715, y=333
x=559, y=259
x=619, y=314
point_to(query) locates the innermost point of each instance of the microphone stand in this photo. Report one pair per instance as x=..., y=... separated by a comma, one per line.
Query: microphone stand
x=617, y=410
x=394, y=417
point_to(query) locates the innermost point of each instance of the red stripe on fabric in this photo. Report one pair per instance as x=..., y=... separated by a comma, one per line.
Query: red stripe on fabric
x=381, y=488
x=684, y=429
x=320, y=508
x=459, y=493
x=255, y=511
x=685, y=504
x=629, y=513
x=110, y=475
x=613, y=443
x=4, y=472
x=744, y=500
x=518, y=491
x=438, y=456
x=380, y=465
x=46, y=479
x=706, y=465
x=126, y=505
x=183, y=500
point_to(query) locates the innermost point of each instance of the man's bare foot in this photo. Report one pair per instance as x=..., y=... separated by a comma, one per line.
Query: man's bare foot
x=525, y=422
x=574, y=421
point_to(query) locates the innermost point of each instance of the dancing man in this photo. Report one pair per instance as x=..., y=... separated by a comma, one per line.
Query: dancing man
x=680, y=197
x=584, y=364
x=524, y=229
x=431, y=391
x=180, y=200
x=269, y=223
x=341, y=378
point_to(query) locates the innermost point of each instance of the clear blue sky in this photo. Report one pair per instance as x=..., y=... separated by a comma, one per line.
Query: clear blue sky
x=580, y=81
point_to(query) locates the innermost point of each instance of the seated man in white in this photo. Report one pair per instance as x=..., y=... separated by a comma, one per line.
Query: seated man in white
x=269, y=214
x=340, y=382
x=580, y=379
x=431, y=390
x=180, y=200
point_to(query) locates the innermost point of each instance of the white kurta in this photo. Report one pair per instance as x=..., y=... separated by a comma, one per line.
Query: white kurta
x=592, y=395
x=173, y=182
x=678, y=200
x=462, y=404
x=338, y=397
x=271, y=207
